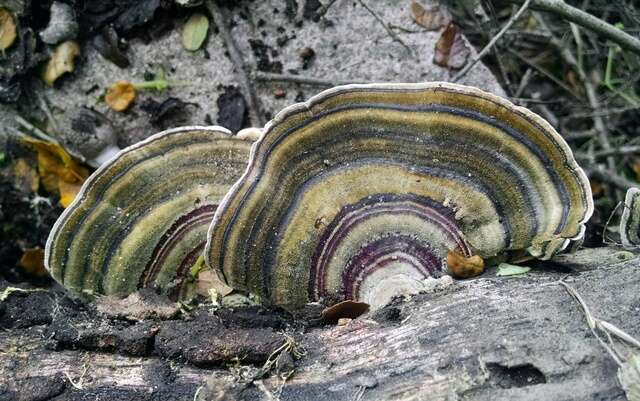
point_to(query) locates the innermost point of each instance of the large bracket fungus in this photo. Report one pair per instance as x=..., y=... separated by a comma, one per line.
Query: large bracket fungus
x=141, y=219
x=364, y=189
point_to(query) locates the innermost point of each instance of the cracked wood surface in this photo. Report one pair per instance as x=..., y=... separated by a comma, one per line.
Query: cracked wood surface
x=488, y=338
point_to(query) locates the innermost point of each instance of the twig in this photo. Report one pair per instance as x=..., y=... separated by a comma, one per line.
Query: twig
x=492, y=42
x=591, y=321
x=323, y=10
x=44, y=105
x=623, y=150
x=526, y=77
x=582, y=18
x=220, y=18
x=547, y=74
x=273, y=77
x=392, y=34
x=601, y=173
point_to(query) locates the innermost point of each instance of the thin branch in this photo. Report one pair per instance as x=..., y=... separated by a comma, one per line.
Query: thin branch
x=601, y=173
x=582, y=18
x=391, y=33
x=492, y=42
x=220, y=18
x=623, y=150
x=272, y=77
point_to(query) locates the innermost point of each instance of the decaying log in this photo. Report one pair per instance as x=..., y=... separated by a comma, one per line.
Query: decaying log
x=489, y=338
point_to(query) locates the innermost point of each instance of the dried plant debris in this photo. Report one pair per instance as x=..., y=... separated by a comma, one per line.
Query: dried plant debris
x=120, y=95
x=451, y=49
x=195, y=31
x=232, y=109
x=62, y=61
x=432, y=18
x=462, y=266
x=172, y=109
x=62, y=24
x=8, y=32
x=108, y=45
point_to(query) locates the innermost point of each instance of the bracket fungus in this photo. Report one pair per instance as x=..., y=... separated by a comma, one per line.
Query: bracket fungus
x=141, y=219
x=630, y=220
x=363, y=190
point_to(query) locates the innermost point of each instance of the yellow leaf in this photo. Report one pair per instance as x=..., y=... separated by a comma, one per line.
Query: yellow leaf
x=32, y=261
x=8, y=31
x=68, y=192
x=120, y=95
x=26, y=176
x=62, y=60
x=58, y=171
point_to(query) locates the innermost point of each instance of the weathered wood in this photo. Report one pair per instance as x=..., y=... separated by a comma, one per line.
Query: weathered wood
x=488, y=338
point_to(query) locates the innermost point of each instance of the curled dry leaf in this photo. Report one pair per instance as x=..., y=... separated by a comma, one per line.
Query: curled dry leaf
x=62, y=60
x=451, y=50
x=345, y=309
x=8, y=31
x=463, y=267
x=429, y=18
x=195, y=31
x=120, y=95
x=32, y=262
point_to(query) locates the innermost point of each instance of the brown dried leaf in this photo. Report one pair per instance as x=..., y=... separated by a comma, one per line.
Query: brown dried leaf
x=464, y=267
x=120, y=95
x=62, y=60
x=345, y=309
x=32, y=262
x=8, y=30
x=429, y=18
x=451, y=50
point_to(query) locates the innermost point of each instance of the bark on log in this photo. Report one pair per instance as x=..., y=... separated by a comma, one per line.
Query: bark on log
x=488, y=338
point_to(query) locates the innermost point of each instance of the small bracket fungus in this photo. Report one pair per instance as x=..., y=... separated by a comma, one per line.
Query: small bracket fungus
x=141, y=219
x=363, y=190
x=630, y=220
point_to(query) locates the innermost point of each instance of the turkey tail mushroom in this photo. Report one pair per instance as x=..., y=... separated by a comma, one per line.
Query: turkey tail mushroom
x=630, y=220
x=366, y=188
x=141, y=219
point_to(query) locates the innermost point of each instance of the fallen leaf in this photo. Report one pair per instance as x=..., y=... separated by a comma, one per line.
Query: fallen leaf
x=120, y=95
x=195, y=31
x=26, y=176
x=464, y=267
x=8, y=31
x=451, y=50
x=506, y=270
x=429, y=18
x=32, y=262
x=68, y=191
x=62, y=61
x=58, y=171
x=345, y=309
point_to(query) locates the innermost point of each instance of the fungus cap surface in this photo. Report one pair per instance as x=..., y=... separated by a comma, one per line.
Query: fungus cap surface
x=366, y=187
x=630, y=220
x=141, y=219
